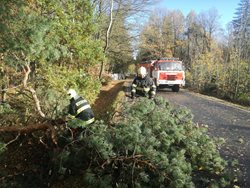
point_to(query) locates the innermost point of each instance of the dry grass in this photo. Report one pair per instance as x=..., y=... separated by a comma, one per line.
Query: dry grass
x=105, y=103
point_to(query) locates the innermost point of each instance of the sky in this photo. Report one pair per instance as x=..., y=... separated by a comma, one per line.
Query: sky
x=226, y=8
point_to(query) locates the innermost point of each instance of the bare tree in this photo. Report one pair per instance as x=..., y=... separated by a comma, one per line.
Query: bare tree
x=209, y=21
x=108, y=14
x=107, y=36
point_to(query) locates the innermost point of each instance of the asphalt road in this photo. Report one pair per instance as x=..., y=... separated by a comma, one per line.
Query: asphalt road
x=224, y=119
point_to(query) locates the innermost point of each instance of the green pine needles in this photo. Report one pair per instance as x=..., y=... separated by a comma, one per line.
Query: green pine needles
x=151, y=145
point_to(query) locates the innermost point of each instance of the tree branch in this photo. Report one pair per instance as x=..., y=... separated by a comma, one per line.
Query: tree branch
x=27, y=71
x=30, y=129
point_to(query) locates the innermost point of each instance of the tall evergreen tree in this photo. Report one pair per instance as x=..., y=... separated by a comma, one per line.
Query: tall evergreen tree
x=241, y=24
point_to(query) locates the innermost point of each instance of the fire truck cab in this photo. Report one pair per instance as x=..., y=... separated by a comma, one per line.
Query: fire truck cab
x=168, y=73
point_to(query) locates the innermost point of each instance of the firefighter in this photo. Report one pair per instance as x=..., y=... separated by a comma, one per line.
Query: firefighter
x=143, y=85
x=80, y=111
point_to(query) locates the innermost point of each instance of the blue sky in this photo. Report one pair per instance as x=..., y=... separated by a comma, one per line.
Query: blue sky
x=226, y=8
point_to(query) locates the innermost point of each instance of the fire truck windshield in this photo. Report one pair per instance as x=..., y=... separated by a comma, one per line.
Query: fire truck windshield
x=170, y=66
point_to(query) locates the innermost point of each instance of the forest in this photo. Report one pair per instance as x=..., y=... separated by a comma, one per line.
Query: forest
x=49, y=46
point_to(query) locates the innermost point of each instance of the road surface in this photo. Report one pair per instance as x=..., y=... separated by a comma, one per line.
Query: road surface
x=224, y=119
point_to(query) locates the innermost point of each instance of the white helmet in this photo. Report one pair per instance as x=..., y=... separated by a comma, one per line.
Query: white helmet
x=72, y=93
x=142, y=72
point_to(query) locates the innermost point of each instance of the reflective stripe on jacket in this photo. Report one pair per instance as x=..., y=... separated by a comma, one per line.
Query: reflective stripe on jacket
x=79, y=108
x=143, y=86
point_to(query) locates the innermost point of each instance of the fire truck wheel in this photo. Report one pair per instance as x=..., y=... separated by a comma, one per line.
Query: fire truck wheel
x=176, y=88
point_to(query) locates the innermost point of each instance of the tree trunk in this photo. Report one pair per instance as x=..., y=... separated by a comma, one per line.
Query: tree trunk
x=107, y=38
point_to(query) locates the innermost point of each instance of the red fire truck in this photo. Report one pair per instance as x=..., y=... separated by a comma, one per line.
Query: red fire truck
x=166, y=72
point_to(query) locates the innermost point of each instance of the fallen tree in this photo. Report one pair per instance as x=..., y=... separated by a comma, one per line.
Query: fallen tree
x=151, y=144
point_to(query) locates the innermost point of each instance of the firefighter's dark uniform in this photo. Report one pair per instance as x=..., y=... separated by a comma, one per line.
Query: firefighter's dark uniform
x=79, y=108
x=144, y=87
x=82, y=117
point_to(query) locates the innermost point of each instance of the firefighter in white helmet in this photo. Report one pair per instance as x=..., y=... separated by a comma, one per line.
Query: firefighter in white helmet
x=80, y=110
x=143, y=85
